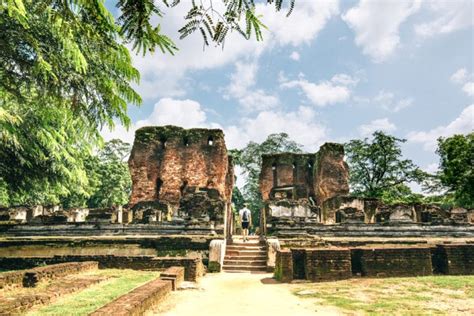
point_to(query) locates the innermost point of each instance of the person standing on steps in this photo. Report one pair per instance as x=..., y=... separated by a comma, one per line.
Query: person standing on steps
x=246, y=219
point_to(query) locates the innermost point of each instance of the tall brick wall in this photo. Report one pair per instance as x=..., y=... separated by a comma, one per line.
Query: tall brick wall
x=166, y=159
x=181, y=175
x=294, y=186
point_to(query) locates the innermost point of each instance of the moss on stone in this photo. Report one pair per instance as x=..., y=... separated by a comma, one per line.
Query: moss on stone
x=213, y=267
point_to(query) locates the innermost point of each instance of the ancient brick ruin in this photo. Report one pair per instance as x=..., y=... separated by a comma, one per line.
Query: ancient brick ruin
x=295, y=186
x=181, y=177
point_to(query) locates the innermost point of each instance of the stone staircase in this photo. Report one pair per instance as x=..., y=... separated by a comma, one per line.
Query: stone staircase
x=249, y=256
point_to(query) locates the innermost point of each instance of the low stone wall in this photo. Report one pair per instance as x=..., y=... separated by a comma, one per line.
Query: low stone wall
x=30, y=278
x=13, y=278
x=19, y=304
x=193, y=266
x=328, y=264
x=51, y=272
x=393, y=262
x=138, y=301
x=161, y=246
x=453, y=259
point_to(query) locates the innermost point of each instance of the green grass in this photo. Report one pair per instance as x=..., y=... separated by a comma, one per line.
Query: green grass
x=433, y=295
x=90, y=299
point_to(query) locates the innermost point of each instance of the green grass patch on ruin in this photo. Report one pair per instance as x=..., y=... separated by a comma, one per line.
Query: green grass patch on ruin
x=88, y=300
x=432, y=295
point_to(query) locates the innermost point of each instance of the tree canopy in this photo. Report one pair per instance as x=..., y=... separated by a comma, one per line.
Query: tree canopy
x=456, y=172
x=250, y=160
x=65, y=73
x=377, y=168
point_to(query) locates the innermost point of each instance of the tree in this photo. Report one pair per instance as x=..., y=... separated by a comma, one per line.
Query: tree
x=456, y=167
x=377, y=168
x=250, y=159
x=65, y=73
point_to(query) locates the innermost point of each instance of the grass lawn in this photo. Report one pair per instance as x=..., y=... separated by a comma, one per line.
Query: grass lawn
x=433, y=295
x=90, y=299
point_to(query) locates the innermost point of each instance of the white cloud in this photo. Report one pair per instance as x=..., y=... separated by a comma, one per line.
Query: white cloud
x=295, y=56
x=242, y=88
x=447, y=17
x=163, y=75
x=300, y=126
x=382, y=124
x=464, y=78
x=387, y=100
x=303, y=25
x=463, y=124
x=468, y=88
x=431, y=168
x=376, y=25
x=326, y=92
x=460, y=76
x=185, y=113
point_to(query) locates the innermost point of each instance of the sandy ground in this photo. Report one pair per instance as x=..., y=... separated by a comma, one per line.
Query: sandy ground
x=241, y=294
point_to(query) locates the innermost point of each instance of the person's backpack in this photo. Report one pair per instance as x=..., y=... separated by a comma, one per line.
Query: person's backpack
x=245, y=216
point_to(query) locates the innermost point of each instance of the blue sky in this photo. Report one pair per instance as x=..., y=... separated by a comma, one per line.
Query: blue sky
x=332, y=71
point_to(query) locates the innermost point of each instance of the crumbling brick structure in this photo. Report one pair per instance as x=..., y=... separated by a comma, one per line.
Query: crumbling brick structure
x=181, y=176
x=294, y=186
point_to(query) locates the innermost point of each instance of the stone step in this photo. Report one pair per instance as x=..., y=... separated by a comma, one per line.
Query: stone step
x=239, y=262
x=244, y=268
x=245, y=253
x=257, y=257
x=256, y=247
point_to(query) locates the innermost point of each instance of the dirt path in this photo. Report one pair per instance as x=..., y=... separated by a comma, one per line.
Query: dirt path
x=240, y=294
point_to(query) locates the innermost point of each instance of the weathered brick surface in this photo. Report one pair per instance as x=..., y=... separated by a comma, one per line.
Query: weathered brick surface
x=33, y=277
x=174, y=155
x=284, y=265
x=396, y=262
x=328, y=264
x=13, y=278
x=193, y=265
x=454, y=259
x=18, y=304
x=173, y=274
x=138, y=301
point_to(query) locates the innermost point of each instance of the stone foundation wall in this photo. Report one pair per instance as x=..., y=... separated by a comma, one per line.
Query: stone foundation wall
x=55, y=271
x=325, y=264
x=137, y=301
x=193, y=266
x=13, y=278
x=284, y=266
x=394, y=262
x=328, y=264
x=454, y=259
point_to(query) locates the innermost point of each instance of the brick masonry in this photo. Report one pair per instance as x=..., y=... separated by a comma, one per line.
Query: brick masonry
x=13, y=278
x=325, y=264
x=394, y=262
x=173, y=274
x=453, y=259
x=284, y=266
x=193, y=265
x=137, y=301
x=328, y=264
x=33, y=277
x=19, y=304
